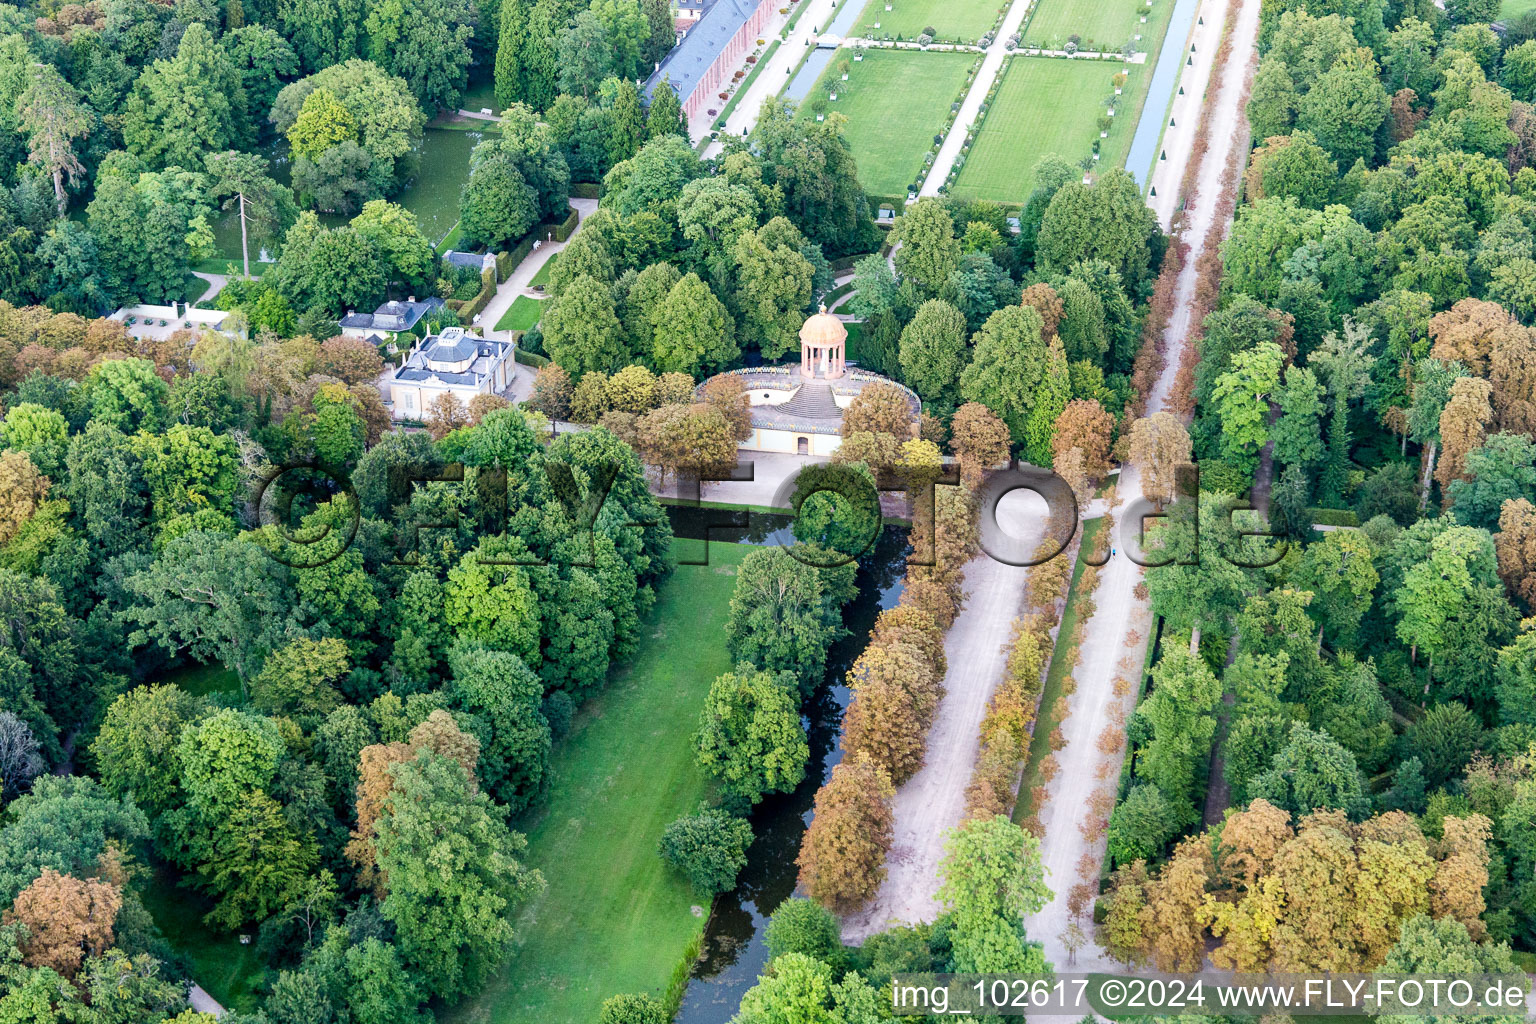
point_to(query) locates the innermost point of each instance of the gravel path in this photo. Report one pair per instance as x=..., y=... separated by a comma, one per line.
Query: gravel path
x=202, y=1002
x=970, y=109
x=1185, y=110
x=517, y=282
x=1119, y=612
x=933, y=801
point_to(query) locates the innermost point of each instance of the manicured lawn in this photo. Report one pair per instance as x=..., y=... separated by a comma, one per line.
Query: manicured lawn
x=964, y=20
x=541, y=276
x=226, y=969
x=1055, y=679
x=1514, y=7
x=521, y=315
x=1098, y=23
x=1047, y=105
x=613, y=919
x=896, y=101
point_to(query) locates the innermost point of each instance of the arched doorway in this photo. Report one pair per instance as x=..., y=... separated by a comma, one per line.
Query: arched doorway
x=802, y=446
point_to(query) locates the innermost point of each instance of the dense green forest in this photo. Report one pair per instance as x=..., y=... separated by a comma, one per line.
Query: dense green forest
x=1365, y=367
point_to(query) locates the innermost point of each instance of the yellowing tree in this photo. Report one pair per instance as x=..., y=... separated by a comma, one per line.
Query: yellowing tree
x=1159, y=445
x=22, y=490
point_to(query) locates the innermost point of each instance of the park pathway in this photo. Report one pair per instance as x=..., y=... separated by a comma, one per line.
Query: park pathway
x=1121, y=624
x=202, y=1002
x=970, y=109
x=1178, y=140
x=517, y=282
x=932, y=802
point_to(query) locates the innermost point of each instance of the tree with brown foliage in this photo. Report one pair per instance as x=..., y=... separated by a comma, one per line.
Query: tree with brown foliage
x=1457, y=891
x=932, y=598
x=67, y=919
x=440, y=734
x=881, y=408
x=1468, y=333
x=1515, y=544
x=1042, y=298
x=22, y=490
x=675, y=438
x=1463, y=428
x=1172, y=918
x=552, y=389
x=350, y=360
x=908, y=624
x=895, y=695
x=1084, y=424
x=1403, y=116
x=445, y=415
x=482, y=404
x=1512, y=372
x=1069, y=465
x=842, y=857
x=674, y=388
x=1159, y=445
x=980, y=439
x=374, y=784
x=728, y=393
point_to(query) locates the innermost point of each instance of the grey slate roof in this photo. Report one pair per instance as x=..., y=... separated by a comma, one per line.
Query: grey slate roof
x=394, y=315
x=452, y=346
x=459, y=346
x=689, y=59
x=470, y=260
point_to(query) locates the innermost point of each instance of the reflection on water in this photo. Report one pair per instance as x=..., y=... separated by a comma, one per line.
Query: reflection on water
x=800, y=86
x=734, y=953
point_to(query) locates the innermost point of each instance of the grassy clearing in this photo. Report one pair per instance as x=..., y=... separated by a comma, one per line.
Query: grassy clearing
x=1097, y=23
x=1055, y=681
x=896, y=101
x=1512, y=8
x=1046, y=105
x=952, y=19
x=227, y=970
x=613, y=919
x=521, y=315
x=204, y=679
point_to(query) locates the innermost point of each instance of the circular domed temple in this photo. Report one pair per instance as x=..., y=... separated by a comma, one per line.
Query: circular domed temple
x=798, y=409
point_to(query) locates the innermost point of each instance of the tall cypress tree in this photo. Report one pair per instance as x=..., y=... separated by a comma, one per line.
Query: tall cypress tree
x=509, y=54
x=663, y=34
x=666, y=115
x=628, y=124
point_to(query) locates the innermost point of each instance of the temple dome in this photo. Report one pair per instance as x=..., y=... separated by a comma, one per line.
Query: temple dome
x=823, y=329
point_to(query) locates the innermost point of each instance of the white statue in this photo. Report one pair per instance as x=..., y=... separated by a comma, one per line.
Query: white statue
x=824, y=362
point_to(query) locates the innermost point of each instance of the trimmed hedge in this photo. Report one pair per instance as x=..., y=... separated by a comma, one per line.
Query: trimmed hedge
x=506, y=262
x=1333, y=517
x=528, y=358
x=469, y=310
x=564, y=229
x=586, y=190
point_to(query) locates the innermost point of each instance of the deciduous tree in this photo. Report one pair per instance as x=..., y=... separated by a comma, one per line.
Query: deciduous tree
x=842, y=857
